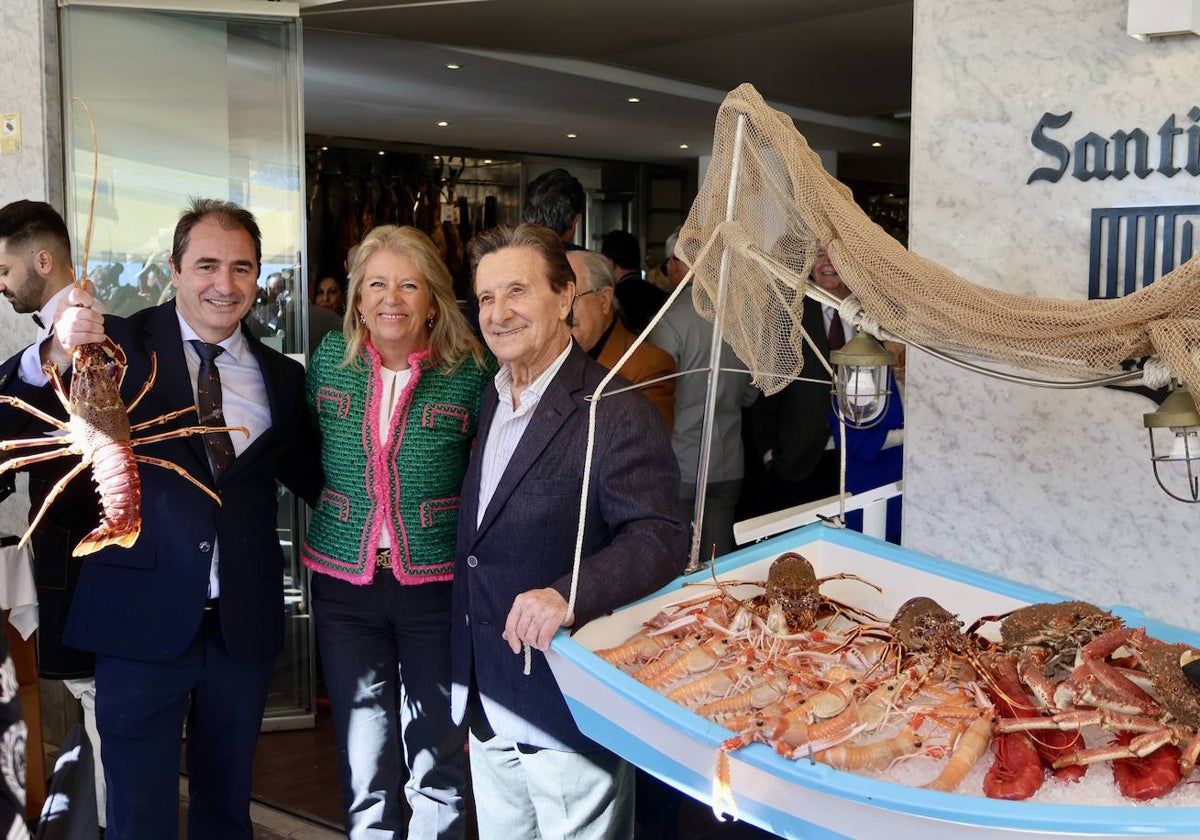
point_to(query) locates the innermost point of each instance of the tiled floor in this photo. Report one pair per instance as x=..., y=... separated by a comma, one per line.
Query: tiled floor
x=695, y=823
x=269, y=824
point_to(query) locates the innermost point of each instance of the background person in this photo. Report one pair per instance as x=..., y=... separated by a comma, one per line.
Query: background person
x=395, y=396
x=555, y=200
x=194, y=638
x=35, y=275
x=687, y=336
x=791, y=428
x=639, y=299
x=534, y=774
x=598, y=329
x=329, y=293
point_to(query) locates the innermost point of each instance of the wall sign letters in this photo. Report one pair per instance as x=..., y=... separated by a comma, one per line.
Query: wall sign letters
x=1131, y=247
x=1122, y=153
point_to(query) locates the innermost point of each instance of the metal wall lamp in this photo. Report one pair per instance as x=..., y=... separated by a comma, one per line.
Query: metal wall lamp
x=1176, y=451
x=862, y=381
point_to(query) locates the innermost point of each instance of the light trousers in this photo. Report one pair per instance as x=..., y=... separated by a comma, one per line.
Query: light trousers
x=538, y=794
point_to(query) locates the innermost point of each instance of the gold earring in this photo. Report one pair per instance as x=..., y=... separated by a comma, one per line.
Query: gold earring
x=361, y=318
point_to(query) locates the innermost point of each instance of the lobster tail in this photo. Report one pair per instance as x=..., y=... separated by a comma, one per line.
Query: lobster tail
x=104, y=536
x=120, y=487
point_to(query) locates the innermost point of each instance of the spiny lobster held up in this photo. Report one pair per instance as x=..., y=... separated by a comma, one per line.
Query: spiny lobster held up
x=98, y=428
x=99, y=432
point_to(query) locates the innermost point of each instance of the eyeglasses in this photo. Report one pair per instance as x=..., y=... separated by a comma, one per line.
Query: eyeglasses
x=581, y=295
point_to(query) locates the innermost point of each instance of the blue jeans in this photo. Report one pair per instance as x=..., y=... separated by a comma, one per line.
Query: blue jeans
x=385, y=650
x=523, y=793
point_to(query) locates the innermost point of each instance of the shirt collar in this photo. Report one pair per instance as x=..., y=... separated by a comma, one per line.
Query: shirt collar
x=533, y=393
x=598, y=348
x=234, y=345
x=46, y=313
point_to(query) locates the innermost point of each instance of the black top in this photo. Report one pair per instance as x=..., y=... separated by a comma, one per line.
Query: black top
x=640, y=300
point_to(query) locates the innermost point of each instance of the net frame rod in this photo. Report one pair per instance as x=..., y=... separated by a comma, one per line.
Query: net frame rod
x=714, y=358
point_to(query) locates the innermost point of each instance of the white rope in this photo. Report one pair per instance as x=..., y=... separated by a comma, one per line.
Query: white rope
x=1155, y=374
x=594, y=401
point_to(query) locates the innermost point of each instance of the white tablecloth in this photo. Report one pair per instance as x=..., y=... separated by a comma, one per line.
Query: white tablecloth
x=18, y=594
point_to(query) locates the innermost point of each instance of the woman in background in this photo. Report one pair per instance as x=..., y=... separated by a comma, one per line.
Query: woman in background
x=395, y=395
x=330, y=293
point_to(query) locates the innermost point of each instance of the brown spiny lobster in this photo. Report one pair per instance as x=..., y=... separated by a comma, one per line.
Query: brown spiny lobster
x=98, y=430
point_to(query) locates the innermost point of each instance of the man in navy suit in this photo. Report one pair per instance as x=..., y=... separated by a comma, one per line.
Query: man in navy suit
x=186, y=623
x=533, y=772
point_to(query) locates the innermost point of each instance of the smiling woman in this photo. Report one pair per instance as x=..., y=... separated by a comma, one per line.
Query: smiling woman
x=395, y=396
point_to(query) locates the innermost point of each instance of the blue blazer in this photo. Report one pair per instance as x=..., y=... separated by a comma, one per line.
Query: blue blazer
x=633, y=542
x=146, y=602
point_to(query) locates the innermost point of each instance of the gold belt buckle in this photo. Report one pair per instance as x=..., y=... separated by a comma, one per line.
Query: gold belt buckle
x=383, y=558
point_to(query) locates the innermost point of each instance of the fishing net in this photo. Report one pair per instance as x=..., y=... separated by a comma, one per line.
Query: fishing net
x=784, y=205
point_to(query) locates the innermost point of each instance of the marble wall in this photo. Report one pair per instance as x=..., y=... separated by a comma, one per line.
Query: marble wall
x=1047, y=487
x=31, y=89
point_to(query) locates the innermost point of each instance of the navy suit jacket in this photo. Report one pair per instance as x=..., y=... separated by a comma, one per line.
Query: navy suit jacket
x=633, y=541
x=794, y=423
x=146, y=602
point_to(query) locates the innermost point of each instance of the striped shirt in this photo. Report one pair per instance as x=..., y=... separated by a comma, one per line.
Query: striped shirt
x=509, y=425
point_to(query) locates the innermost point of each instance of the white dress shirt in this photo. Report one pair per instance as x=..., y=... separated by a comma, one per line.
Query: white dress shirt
x=393, y=382
x=509, y=425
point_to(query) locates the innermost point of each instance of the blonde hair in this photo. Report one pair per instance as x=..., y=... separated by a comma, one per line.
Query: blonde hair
x=451, y=340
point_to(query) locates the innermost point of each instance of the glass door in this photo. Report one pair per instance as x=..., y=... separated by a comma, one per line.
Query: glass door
x=195, y=105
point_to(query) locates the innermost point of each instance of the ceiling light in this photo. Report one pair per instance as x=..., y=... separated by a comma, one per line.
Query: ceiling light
x=683, y=145
x=381, y=152
x=453, y=66
x=437, y=157
x=633, y=99
x=876, y=145
x=324, y=148
x=487, y=160
x=442, y=123
x=572, y=136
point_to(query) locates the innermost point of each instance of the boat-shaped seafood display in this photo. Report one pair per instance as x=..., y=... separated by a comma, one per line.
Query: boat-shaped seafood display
x=826, y=684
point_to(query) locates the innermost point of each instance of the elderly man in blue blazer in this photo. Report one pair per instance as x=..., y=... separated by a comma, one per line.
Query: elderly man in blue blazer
x=533, y=772
x=187, y=621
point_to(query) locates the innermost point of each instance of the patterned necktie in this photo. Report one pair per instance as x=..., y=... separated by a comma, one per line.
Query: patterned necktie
x=208, y=404
x=837, y=335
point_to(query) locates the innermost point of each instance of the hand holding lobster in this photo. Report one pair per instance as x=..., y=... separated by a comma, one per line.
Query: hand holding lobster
x=98, y=428
x=76, y=322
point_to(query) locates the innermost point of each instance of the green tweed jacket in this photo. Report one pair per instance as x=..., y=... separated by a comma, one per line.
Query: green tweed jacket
x=408, y=482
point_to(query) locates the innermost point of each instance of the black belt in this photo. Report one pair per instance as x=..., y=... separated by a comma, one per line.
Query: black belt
x=212, y=605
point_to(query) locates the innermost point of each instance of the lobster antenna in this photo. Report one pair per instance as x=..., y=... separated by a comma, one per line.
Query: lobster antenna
x=87, y=239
